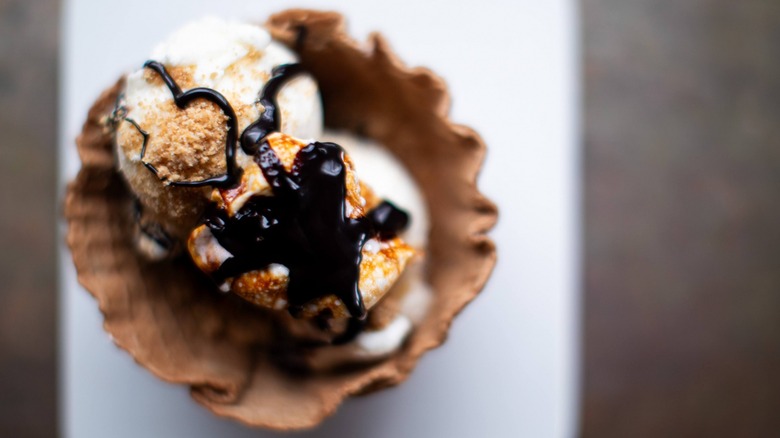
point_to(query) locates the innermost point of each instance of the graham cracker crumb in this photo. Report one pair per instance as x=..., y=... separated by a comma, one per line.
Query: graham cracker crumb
x=184, y=76
x=187, y=144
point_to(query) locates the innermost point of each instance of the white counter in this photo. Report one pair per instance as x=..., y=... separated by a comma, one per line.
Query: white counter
x=509, y=367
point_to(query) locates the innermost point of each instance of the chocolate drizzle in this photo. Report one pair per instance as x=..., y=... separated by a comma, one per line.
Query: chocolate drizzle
x=304, y=225
x=269, y=121
x=152, y=230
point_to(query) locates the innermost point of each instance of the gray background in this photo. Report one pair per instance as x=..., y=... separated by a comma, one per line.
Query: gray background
x=682, y=221
x=28, y=175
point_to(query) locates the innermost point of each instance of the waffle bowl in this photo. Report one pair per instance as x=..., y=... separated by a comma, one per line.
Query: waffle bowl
x=168, y=316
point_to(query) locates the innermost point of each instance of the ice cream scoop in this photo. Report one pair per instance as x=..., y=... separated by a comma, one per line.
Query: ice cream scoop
x=161, y=145
x=287, y=224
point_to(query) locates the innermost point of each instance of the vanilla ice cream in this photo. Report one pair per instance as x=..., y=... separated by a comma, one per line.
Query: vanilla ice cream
x=235, y=59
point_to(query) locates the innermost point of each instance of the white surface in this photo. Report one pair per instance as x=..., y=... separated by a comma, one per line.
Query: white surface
x=509, y=367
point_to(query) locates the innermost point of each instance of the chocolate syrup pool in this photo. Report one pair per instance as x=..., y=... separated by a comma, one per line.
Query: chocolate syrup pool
x=304, y=225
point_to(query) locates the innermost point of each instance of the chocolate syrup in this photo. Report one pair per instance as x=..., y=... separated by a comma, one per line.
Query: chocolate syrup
x=304, y=225
x=269, y=120
x=152, y=230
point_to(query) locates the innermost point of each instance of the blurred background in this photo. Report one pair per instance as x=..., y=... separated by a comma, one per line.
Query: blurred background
x=28, y=177
x=681, y=162
x=682, y=223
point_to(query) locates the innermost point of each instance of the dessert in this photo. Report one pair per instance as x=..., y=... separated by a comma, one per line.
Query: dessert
x=273, y=266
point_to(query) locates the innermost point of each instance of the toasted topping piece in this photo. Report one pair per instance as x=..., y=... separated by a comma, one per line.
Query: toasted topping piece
x=381, y=263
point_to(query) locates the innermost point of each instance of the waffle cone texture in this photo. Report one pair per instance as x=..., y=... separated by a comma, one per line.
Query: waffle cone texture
x=168, y=316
